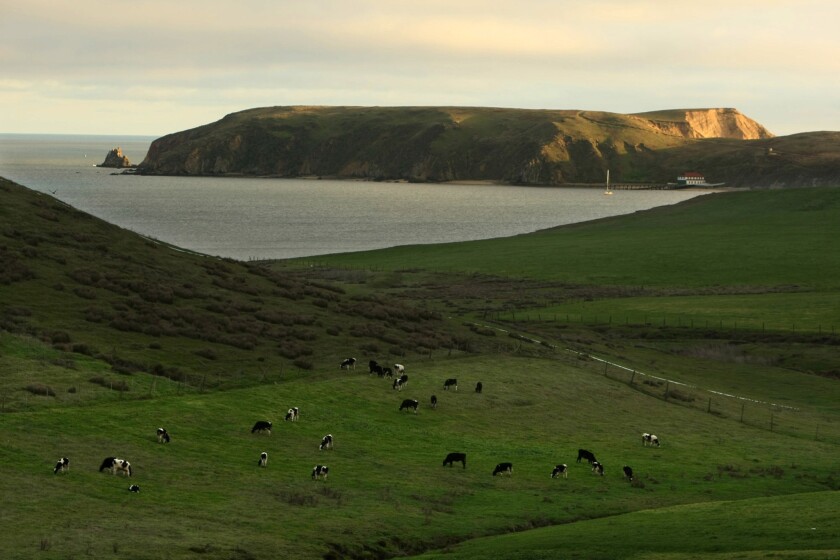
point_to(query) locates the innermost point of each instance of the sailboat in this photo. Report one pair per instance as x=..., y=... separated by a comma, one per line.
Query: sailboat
x=607, y=190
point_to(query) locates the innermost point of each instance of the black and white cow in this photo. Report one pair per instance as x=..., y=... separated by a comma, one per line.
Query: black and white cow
x=263, y=459
x=387, y=373
x=62, y=465
x=408, y=404
x=451, y=382
x=597, y=468
x=479, y=387
x=650, y=439
x=320, y=471
x=262, y=426
x=559, y=470
x=434, y=401
x=292, y=414
x=454, y=458
x=584, y=454
x=628, y=473
x=115, y=464
x=133, y=488
x=349, y=363
x=400, y=382
x=503, y=468
x=326, y=442
x=399, y=368
x=162, y=435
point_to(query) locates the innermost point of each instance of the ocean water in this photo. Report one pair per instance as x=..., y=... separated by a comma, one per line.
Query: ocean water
x=282, y=218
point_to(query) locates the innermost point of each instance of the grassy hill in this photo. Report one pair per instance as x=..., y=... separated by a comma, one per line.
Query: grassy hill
x=105, y=335
x=542, y=147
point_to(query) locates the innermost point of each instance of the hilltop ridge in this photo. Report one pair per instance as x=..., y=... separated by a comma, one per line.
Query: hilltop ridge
x=513, y=146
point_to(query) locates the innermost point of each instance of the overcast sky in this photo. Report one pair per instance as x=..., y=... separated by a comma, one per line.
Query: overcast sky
x=159, y=66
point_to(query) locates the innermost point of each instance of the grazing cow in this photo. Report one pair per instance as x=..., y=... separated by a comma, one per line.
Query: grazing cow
x=326, y=442
x=400, y=382
x=628, y=473
x=409, y=403
x=597, y=468
x=263, y=459
x=399, y=368
x=478, y=387
x=63, y=465
x=292, y=414
x=503, y=468
x=387, y=373
x=434, y=401
x=320, y=471
x=558, y=470
x=115, y=464
x=133, y=488
x=584, y=454
x=374, y=367
x=349, y=363
x=262, y=426
x=450, y=383
x=162, y=435
x=650, y=439
x=454, y=458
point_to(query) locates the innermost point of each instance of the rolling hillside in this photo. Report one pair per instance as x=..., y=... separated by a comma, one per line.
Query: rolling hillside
x=106, y=335
x=534, y=147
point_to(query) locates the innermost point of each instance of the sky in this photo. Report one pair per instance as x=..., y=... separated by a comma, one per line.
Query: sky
x=151, y=67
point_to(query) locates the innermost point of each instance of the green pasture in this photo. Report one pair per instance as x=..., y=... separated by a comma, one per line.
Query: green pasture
x=801, y=526
x=387, y=492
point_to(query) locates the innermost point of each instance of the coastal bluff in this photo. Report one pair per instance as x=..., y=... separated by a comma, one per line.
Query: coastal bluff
x=508, y=146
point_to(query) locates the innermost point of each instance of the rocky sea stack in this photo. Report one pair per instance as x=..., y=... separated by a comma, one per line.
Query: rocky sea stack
x=115, y=158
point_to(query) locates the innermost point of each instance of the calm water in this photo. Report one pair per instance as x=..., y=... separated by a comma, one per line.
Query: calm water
x=281, y=218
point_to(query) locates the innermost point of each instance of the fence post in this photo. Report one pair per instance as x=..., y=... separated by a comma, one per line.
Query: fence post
x=632, y=377
x=667, y=388
x=742, y=412
x=709, y=406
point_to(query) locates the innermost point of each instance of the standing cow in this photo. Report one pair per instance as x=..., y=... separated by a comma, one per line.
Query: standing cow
x=584, y=454
x=455, y=458
x=349, y=363
x=62, y=465
x=409, y=404
x=503, y=468
x=451, y=382
x=326, y=442
x=560, y=470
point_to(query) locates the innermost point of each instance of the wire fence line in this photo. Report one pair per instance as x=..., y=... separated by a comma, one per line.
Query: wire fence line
x=775, y=417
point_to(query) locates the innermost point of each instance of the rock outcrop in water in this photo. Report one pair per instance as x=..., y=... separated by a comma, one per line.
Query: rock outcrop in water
x=516, y=146
x=115, y=158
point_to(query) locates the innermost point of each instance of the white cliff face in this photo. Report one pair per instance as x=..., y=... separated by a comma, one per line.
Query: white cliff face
x=711, y=123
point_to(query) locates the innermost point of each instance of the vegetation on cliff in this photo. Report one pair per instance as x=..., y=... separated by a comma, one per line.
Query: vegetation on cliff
x=517, y=146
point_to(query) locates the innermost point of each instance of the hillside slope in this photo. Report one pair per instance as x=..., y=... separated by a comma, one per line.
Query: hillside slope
x=542, y=147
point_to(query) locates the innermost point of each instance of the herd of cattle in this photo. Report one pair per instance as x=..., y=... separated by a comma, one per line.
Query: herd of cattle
x=117, y=465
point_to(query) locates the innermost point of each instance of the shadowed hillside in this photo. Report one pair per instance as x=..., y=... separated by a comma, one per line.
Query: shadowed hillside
x=539, y=147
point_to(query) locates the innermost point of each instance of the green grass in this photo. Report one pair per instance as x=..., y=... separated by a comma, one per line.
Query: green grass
x=385, y=469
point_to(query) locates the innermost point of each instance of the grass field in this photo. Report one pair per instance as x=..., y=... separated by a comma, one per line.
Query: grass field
x=105, y=336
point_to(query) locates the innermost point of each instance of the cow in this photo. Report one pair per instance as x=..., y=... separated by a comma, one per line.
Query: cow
x=450, y=383
x=597, y=468
x=162, y=435
x=399, y=368
x=374, y=368
x=434, y=401
x=387, y=373
x=558, y=470
x=409, y=403
x=115, y=464
x=292, y=414
x=628, y=473
x=454, y=458
x=326, y=442
x=400, y=382
x=349, y=363
x=503, y=468
x=584, y=454
x=650, y=439
x=134, y=488
x=63, y=465
x=262, y=426
x=263, y=459
x=320, y=471
x=478, y=387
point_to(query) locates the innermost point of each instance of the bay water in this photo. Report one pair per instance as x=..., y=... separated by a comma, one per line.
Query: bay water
x=246, y=219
